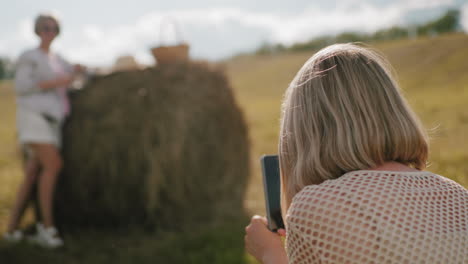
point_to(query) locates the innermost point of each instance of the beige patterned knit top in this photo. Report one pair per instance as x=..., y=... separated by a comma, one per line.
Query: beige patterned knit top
x=379, y=217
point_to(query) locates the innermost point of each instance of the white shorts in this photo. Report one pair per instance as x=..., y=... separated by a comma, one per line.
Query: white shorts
x=33, y=127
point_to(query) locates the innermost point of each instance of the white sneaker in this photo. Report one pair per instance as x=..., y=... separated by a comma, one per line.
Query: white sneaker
x=47, y=237
x=14, y=237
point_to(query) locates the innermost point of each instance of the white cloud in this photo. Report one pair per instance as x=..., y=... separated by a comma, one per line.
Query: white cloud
x=464, y=17
x=22, y=37
x=92, y=33
x=419, y=4
x=26, y=32
x=103, y=45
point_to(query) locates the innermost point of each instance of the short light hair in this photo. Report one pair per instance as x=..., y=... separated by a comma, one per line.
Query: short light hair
x=41, y=19
x=343, y=112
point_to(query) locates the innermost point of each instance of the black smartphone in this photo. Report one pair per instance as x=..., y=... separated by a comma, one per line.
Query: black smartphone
x=272, y=188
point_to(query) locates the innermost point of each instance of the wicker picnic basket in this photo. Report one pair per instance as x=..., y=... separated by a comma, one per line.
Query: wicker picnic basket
x=167, y=54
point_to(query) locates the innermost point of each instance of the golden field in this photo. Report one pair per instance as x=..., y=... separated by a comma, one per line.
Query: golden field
x=432, y=72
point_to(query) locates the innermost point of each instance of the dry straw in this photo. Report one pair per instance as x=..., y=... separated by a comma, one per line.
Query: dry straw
x=160, y=147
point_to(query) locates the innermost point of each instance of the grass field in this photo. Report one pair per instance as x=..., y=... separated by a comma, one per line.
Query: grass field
x=433, y=73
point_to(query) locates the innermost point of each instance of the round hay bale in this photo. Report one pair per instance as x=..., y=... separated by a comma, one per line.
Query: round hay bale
x=159, y=147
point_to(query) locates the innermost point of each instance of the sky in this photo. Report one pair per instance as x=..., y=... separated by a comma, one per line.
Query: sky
x=97, y=32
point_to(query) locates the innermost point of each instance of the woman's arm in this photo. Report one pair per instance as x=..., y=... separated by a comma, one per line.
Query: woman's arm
x=263, y=244
x=55, y=83
x=72, y=68
x=26, y=82
x=64, y=80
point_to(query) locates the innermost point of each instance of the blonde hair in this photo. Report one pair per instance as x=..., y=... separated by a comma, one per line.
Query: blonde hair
x=343, y=112
x=41, y=19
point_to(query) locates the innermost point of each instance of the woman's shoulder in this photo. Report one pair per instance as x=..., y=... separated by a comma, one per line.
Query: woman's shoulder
x=357, y=185
x=29, y=52
x=317, y=198
x=29, y=55
x=374, y=178
x=333, y=187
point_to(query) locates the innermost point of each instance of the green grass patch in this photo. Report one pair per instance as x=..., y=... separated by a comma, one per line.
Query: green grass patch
x=222, y=244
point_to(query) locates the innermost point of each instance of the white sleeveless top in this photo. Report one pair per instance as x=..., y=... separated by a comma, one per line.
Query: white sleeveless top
x=379, y=217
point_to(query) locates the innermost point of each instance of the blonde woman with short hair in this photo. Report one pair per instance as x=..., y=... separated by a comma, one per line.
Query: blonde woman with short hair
x=41, y=81
x=352, y=157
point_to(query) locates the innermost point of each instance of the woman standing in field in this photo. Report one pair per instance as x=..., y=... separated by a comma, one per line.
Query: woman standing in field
x=41, y=81
x=352, y=155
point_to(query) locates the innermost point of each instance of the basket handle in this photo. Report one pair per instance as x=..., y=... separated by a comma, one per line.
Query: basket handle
x=165, y=23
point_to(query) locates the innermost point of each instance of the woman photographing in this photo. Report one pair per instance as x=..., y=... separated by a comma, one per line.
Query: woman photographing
x=352, y=158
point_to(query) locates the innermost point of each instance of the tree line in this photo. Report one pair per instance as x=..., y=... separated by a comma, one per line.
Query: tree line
x=449, y=22
x=6, y=68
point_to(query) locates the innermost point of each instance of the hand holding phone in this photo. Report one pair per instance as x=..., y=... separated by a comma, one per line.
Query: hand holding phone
x=271, y=184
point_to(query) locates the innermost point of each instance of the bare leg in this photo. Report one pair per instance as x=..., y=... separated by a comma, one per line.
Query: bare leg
x=51, y=164
x=31, y=170
x=35, y=200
